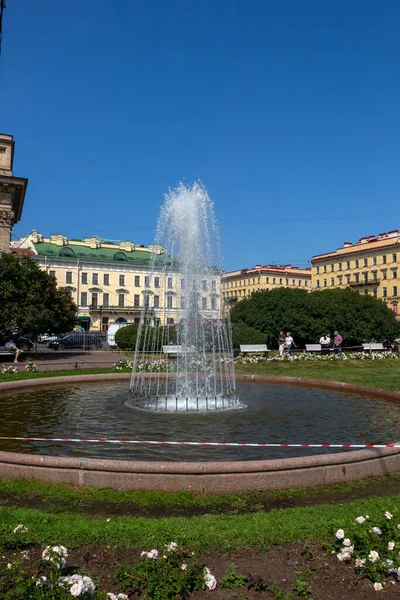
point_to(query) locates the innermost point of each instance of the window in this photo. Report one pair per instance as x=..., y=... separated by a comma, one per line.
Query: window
x=280, y=281
x=332, y=281
x=95, y=300
x=324, y=268
x=348, y=265
x=317, y=283
x=317, y=271
x=324, y=282
x=156, y=301
x=119, y=256
x=53, y=274
x=394, y=293
x=332, y=268
x=357, y=277
x=169, y=301
x=156, y=282
x=394, y=257
x=339, y=266
x=95, y=278
x=84, y=299
x=136, y=300
x=146, y=301
x=137, y=280
x=106, y=279
x=374, y=260
x=68, y=277
x=384, y=292
x=299, y=281
x=394, y=273
x=293, y=282
x=365, y=292
x=84, y=278
x=213, y=303
x=170, y=321
x=347, y=278
x=306, y=283
x=182, y=284
x=365, y=275
x=340, y=279
x=204, y=303
x=214, y=284
x=183, y=302
x=267, y=280
x=375, y=292
x=384, y=259
x=274, y=280
x=170, y=283
x=204, y=285
x=384, y=273
x=147, y=281
x=356, y=263
x=365, y=262
x=121, y=280
x=106, y=300
x=121, y=300
x=374, y=275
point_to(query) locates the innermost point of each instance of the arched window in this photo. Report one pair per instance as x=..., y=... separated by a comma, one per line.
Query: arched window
x=120, y=320
x=119, y=256
x=66, y=252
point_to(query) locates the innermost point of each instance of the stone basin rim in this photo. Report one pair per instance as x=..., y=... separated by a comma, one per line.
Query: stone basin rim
x=204, y=476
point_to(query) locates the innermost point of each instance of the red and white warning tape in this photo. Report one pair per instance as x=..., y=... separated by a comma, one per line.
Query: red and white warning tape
x=168, y=443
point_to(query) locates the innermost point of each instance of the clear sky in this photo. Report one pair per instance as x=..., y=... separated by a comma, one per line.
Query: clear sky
x=287, y=110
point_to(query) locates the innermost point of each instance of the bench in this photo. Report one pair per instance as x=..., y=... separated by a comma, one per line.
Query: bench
x=6, y=352
x=373, y=346
x=318, y=348
x=254, y=349
x=175, y=350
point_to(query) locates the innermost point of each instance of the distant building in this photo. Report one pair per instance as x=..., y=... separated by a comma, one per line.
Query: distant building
x=237, y=285
x=12, y=192
x=110, y=282
x=370, y=266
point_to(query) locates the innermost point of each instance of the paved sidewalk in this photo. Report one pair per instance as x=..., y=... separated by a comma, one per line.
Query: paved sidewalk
x=73, y=360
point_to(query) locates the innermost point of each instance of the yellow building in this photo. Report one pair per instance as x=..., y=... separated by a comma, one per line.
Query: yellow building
x=110, y=282
x=237, y=285
x=370, y=266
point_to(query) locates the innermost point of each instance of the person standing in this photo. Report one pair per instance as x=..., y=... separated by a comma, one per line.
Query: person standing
x=281, y=343
x=289, y=343
x=337, y=343
x=325, y=342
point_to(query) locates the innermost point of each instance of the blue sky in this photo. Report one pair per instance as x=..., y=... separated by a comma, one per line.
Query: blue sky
x=287, y=110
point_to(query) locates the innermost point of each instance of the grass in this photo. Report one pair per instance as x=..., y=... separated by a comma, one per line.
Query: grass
x=382, y=374
x=213, y=531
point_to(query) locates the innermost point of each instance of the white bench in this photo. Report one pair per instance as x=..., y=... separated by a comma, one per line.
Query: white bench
x=373, y=346
x=313, y=348
x=175, y=350
x=254, y=349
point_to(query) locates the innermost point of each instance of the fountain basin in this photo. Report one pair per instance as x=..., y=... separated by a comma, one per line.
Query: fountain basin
x=203, y=476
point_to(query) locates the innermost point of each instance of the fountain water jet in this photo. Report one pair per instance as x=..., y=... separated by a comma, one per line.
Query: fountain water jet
x=188, y=366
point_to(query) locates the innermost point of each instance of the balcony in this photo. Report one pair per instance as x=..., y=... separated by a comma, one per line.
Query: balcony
x=362, y=283
x=117, y=309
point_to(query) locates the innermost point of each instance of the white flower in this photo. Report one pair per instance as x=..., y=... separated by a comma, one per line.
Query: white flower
x=396, y=573
x=391, y=545
x=56, y=555
x=378, y=586
x=117, y=596
x=9, y=565
x=388, y=515
x=340, y=534
x=389, y=562
x=184, y=567
x=359, y=562
x=152, y=554
x=20, y=528
x=360, y=520
x=41, y=581
x=376, y=530
x=373, y=556
x=171, y=546
x=77, y=589
x=346, y=542
x=77, y=584
x=209, y=579
x=344, y=555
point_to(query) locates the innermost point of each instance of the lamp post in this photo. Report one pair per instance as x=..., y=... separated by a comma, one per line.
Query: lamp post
x=101, y=314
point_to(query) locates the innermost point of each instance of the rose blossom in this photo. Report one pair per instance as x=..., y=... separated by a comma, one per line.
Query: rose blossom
x=391, y=545
x=376, y=530
x=373, y=556
x=378, y=586
x=209, y=579
x=346, y=542
x=340, y=534
x=184, y=567
x=360, y=520
x=359, y=562
x=388, y=515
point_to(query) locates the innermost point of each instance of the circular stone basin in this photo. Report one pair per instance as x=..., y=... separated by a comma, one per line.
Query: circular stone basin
x=274, y=414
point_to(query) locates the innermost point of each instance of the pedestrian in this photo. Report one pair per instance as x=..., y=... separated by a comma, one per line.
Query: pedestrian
x=325, y=342
x=281, y=343
x=289, y=343
x=11, y=346
x=337, y=343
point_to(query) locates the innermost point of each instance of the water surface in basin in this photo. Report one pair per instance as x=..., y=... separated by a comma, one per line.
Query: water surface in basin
x=274, y=413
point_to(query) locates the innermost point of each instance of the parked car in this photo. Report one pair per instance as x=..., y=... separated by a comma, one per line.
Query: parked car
x=22, y=342
x=75, y=341
x=49, y=337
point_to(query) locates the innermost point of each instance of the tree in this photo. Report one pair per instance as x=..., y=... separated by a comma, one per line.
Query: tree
x=30, y=301
x=243, y=334
x=307, y=315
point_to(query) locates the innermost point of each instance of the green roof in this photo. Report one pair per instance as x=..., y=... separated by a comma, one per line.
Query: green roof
x=101, y=254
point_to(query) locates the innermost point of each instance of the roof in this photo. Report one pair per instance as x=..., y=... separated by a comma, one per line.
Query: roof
x=101, y=254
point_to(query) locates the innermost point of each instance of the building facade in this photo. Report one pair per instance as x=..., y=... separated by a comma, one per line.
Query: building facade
x=12, y=191
x=370, y=266
x=237, y=285
x=111, y=282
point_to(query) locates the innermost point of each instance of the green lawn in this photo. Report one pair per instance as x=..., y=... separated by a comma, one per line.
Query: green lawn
x=384, y=373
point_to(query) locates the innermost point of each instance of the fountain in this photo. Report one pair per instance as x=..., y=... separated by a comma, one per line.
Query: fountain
x=189, y=366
